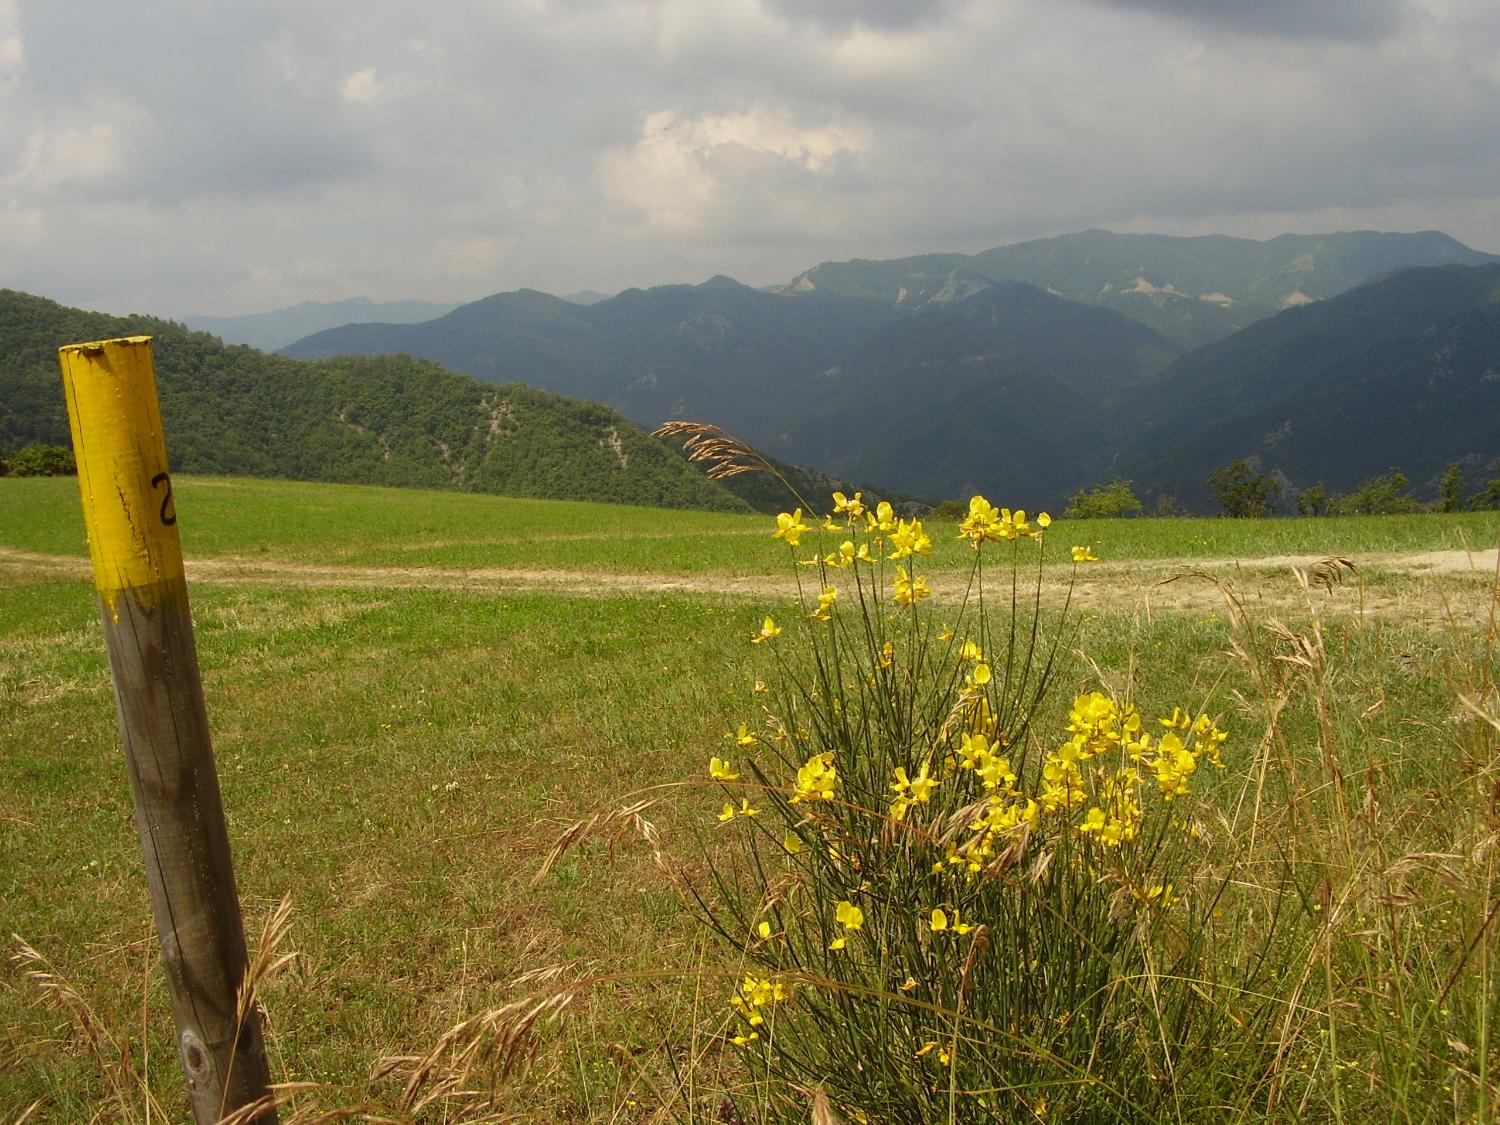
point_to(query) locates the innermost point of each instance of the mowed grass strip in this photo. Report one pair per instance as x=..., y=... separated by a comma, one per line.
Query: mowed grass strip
x=350, y=525
x=361, y=526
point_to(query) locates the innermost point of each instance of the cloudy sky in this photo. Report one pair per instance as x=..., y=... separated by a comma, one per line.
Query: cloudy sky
x=203, y=156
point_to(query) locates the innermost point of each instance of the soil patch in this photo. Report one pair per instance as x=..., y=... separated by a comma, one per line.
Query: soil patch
x=1412, y=584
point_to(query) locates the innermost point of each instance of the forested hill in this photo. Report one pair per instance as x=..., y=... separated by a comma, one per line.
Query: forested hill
x=388, y=420
x=1402, y=372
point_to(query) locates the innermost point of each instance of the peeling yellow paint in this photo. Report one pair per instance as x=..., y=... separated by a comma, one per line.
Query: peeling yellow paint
x=122, y=464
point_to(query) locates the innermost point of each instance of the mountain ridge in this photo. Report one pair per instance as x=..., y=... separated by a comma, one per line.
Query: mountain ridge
x=1403, y=371
x=277, y=328
x=1010, y=387
x=1192, y=289
x=392, y=420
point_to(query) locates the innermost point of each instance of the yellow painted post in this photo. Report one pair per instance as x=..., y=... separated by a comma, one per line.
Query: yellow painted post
x=132, y=529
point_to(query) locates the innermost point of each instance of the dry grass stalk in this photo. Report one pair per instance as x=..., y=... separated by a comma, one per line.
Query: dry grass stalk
x=264, y=966
x=722, y=454
x=268, y=962
x=110, y=1054
x=822, y=1112
x=613, y=824
x=496, y=1044
x=1326, y=573
x=283, y=1093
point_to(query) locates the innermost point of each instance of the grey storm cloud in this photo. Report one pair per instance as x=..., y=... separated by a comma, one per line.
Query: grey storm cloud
x=1355, y=20
x=198, y=98
x=247, y=156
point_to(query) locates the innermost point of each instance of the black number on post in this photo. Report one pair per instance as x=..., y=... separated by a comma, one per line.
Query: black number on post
x=156, y=481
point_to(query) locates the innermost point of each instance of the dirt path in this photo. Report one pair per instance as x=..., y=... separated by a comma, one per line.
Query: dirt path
x=1148, y=585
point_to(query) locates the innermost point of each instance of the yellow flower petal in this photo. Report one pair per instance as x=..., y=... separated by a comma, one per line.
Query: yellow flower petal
x=768, y=629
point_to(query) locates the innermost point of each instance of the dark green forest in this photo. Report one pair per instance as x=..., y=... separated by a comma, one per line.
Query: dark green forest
x=387, y=420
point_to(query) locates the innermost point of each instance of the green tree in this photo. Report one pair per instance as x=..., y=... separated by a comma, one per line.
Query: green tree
x=1244, y=492
x=1488, y=497
x=42, y=461
x=1450, y=490
x=1383, y=495
x=1311, y=501
x=1107, y=501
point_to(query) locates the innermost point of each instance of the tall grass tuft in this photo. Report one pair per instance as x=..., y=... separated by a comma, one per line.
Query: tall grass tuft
x=1376, y=792
x=130, y=1098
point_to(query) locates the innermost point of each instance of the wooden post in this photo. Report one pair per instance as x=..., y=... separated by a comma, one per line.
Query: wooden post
x=148, y=631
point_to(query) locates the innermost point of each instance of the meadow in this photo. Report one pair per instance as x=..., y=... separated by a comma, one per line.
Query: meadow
x=414, y=694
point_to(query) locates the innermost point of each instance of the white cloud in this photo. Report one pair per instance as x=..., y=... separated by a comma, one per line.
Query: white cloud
x=680, y=167
x=12, y=48
x=78, y=157
x=21, y=228
x=362, y=87
x=858, y=13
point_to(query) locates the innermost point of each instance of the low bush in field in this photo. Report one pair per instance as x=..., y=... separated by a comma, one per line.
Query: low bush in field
x=941, y=893
x=954, y=898
x=38, y=460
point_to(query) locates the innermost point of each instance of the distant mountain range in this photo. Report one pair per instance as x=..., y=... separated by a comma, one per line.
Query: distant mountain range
x=270, y=331
x=719, y=352
x=1025, y=371
x=1009, y=390
x=582, y=297
x=937, y=376
x=1191, y=290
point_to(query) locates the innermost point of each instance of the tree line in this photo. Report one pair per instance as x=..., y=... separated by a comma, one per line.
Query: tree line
x=38, y=459
x=1243, y=492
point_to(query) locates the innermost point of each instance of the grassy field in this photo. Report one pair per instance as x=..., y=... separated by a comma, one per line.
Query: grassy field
x=372, y=527
x=409, y=706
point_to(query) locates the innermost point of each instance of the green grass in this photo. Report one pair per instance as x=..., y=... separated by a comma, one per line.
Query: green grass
x=397, y=762
x=350, y=525
x=400, y=760
x=367, y=526
x=1251, y=539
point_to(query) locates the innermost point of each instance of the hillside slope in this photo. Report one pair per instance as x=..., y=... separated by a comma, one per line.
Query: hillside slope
x=1010, y=391
x=390, y=420
x=1402, y=372
x=719, y=352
